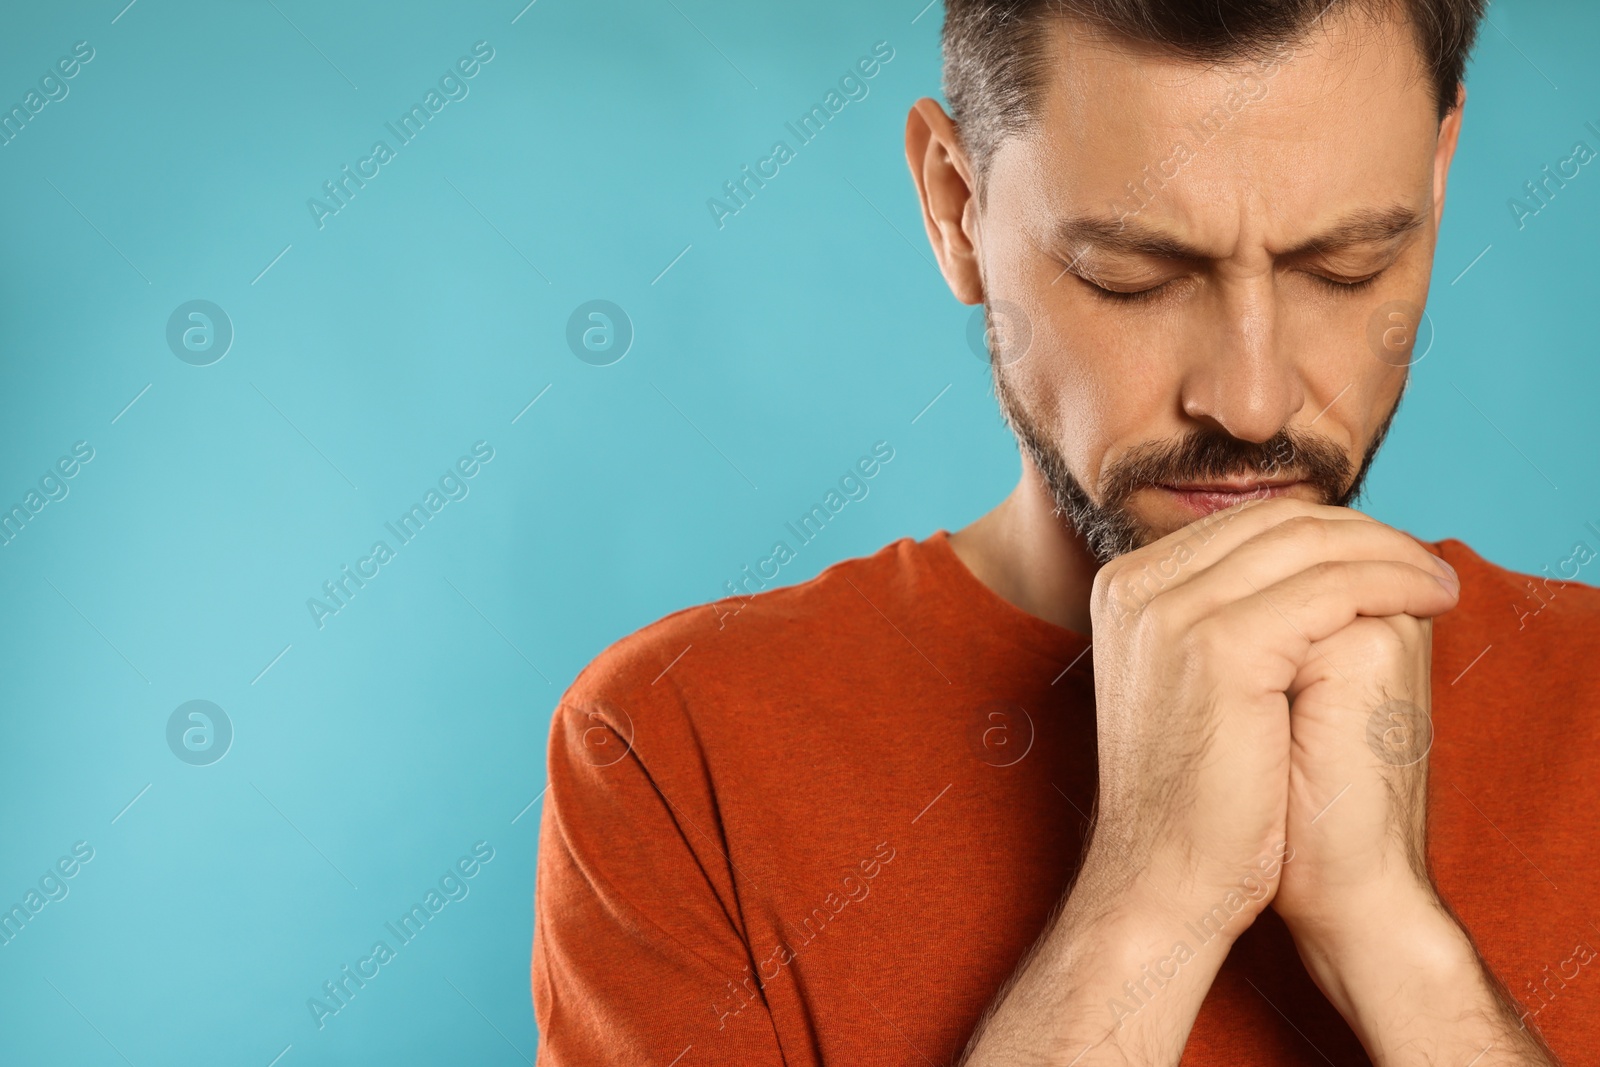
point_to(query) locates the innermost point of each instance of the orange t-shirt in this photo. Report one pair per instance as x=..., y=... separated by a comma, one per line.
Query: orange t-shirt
x=821, y=825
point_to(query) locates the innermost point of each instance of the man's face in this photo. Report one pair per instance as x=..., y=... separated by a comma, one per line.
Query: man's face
x=1221, y=269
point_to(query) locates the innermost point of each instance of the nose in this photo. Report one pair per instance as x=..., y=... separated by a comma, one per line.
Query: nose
x=1241, y=379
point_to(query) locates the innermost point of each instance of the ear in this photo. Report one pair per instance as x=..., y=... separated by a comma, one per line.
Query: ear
x=947, y=191
x=1449, y=133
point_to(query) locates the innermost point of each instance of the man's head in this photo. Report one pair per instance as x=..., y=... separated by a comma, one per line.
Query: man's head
x=1213, y=223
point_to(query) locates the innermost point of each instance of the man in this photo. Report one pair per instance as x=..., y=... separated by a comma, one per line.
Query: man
x=1319, y=794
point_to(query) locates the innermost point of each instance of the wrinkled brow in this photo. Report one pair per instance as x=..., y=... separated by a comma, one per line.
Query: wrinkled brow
x=1133, y=237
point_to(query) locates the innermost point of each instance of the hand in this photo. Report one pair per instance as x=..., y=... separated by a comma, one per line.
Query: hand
x=1358, y=900
x=1198, y=639
x=1361, y=718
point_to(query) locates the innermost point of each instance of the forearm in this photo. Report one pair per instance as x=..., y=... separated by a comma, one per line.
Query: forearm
x=1413, y=988
x=1114, y=979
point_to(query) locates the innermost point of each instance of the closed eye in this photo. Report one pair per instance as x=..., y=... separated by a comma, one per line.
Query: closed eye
x=1085, y=274
x=1345, y=285
x=1134, y=296
x=1336, y=283
x=1123, y=296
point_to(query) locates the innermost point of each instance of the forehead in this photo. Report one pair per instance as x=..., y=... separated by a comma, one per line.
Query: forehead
x=1340, y=119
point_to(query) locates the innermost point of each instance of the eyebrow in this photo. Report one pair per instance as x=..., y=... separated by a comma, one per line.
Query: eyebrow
x=1364, y=226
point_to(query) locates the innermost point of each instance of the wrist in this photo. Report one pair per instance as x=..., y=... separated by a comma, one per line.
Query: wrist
x=1403, y=957
x=1116, y=971
x=1172, y=898
x=1137, y=974
x=1343, y=922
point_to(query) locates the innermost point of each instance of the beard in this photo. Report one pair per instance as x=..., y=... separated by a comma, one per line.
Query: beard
x=1110, y=528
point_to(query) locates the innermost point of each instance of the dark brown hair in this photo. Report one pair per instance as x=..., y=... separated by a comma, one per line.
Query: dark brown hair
x=996, y=60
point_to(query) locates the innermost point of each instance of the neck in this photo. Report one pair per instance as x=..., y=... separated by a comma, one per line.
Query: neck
x=1029, y=556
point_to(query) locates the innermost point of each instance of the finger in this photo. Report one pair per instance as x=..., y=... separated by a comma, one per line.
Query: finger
x=1295, y=545
x=1190, y=550
x=1387, y=658
x=1310, y=606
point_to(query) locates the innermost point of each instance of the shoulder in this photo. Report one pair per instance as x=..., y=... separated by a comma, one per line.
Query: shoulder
x=1562, y=587
x=715, y=648
x=1535, y=624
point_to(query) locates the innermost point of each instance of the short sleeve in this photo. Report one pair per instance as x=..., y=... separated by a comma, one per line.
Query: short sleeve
x=637, y=951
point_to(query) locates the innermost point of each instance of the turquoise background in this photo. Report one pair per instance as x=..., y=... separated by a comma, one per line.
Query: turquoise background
x=370, y=754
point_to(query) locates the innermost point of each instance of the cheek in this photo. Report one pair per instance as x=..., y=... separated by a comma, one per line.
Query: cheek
x=1358, y=349
x=1090, y=398
x=1358, y=415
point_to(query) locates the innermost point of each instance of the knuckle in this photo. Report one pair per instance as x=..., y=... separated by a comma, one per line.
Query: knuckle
x=1105, y=576
x=1127, y=590
x=1158, y=620
x=1100, y=589
x=1328, y=570
x=1306, y=527
x=1291, y=507
x=1204, y=641
x=1377, y=641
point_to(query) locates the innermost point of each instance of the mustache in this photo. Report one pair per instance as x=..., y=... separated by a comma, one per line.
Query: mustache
x=1209, y=455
